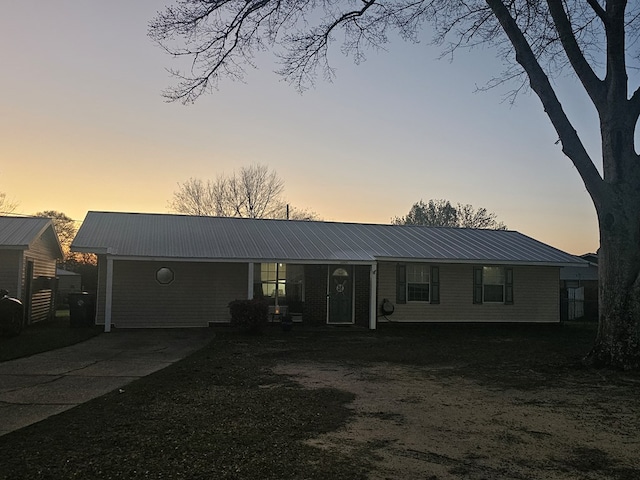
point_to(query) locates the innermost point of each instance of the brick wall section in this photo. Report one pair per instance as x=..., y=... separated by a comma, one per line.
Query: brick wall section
x=362, y=287
x=315, y=295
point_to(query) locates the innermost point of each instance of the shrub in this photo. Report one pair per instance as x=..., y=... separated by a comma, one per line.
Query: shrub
x=249, y=316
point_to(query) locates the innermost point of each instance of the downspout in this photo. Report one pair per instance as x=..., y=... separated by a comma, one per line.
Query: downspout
x=373, y=297
x=108, y=295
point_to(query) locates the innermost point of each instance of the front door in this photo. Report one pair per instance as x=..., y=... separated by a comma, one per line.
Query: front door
x=340, y=294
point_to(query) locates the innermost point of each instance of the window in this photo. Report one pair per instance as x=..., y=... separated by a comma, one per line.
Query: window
x=280, y=284
x=417, y=282
x=493, y=285
x=273, y=280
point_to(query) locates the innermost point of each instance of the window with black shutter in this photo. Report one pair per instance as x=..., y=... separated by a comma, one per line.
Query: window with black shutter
x=492, y=284
x=435, y=285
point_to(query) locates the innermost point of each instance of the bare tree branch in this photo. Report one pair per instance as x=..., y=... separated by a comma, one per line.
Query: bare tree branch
x=7, y=206
x=599, y=11
x=571, y=144
x=592, y=84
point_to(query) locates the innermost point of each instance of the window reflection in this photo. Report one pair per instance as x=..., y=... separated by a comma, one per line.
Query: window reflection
x=280, y=284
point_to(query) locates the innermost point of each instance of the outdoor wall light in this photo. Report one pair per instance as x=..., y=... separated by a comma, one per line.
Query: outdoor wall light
x=164, y=276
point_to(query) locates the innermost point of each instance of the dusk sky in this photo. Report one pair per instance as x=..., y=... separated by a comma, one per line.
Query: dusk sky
x=84, y=127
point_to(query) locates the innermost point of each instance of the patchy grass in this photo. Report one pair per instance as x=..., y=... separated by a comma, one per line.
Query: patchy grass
x=217, y=414
x=44, y=336
x=222, y=413
x=497, y=354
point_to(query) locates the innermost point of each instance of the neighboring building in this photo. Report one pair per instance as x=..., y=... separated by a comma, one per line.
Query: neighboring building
x=182, y=271
x=29, y=248
x=68, y=282
x=579, y=290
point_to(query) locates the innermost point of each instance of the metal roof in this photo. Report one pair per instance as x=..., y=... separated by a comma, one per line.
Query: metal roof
x=20, y=232
x=579, y=273
x=166, y=236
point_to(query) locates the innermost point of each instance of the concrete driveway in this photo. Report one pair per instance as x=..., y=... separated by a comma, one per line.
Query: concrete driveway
x=36, y=387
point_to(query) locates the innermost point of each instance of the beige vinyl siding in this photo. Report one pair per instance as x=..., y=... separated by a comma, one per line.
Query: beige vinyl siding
x=536, y=297
x=42, y=252
x=10, y=277
x=200, y=293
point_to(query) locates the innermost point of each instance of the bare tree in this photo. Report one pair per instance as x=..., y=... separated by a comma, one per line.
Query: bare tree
x=255, y=192
x=594, y=40
x=6, y=205
x=440, y=213
x=251, y=192
x=294, y=213
x=198, y=197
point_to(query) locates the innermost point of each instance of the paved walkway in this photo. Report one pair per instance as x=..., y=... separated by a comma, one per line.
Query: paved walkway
x=36, y=387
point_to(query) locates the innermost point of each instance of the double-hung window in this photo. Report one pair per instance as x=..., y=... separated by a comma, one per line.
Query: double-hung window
x=493, y=284
x=417, y=282
x=280, y=284
x=272, y=279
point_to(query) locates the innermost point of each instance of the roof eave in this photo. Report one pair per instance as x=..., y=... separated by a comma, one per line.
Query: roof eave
x=297, y=261
x=95, y=250
x=14, y=247
x=486, y=261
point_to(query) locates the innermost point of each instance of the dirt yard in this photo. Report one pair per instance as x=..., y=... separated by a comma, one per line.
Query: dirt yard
x=424, y=423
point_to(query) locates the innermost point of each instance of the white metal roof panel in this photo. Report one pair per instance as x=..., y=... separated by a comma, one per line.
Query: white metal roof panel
x=20, y=232
x=235, y=239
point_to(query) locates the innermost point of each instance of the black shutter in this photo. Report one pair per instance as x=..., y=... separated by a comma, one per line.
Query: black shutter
x=477, y=284
x=401, y=283
x=435, y=285
x=508, y=286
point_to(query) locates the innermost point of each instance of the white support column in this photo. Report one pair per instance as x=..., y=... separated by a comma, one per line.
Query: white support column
x=250, y=281
x=108, y=295
x=373, y=296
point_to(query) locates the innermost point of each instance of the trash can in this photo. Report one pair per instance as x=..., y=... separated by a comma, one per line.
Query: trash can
x=81, y=309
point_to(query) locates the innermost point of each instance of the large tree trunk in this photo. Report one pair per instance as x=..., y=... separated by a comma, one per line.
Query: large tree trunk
x=617, y=195
x=618, y=340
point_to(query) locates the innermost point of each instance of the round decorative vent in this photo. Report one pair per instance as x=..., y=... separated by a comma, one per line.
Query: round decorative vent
x=164, y=276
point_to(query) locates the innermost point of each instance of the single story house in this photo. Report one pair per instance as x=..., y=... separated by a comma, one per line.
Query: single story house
x=29, y=249
x=161, y=270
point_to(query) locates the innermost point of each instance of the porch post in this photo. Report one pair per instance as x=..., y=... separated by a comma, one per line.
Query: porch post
x=250, y=281
x=108, y=295
x=373, y=297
